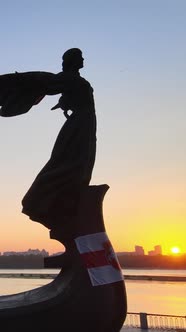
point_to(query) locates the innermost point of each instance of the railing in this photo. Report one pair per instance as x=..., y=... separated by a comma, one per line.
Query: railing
x=155, y=321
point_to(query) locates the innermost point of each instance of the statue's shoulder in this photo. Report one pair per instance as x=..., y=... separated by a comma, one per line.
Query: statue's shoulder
x=87, y=85
x=71, y=81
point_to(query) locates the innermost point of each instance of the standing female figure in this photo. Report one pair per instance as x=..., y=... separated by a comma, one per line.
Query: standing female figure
x=56, y=190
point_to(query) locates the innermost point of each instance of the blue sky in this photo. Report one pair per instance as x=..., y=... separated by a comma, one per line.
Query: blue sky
x=135, y=55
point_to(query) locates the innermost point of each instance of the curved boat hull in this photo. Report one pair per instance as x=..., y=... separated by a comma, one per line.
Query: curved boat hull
x=79, y=298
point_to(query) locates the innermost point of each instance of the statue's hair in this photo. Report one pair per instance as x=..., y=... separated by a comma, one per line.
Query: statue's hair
x=69, y=57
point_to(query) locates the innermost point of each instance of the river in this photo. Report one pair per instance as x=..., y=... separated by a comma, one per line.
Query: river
x=158, y=297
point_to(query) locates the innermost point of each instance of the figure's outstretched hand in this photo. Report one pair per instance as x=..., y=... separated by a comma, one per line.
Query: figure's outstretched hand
x=64, y=112
x=55, y=107
x=63, y=103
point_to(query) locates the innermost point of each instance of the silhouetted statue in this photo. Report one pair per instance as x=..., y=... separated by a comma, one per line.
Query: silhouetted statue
x=89, y=292
x=55, y=192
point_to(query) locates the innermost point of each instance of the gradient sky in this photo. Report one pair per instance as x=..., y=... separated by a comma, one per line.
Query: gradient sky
x=135, y=59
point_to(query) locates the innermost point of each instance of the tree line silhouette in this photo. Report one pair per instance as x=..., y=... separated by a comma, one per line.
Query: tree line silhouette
x=126, y=261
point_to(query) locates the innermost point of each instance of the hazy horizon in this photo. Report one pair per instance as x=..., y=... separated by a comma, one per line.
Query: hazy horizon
x=118, y=252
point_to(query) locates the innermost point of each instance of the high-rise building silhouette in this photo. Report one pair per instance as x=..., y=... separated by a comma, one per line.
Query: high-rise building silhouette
x=139, y=250
x=157, y=251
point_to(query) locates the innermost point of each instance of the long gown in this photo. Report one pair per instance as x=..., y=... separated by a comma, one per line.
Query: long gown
x=57, y=188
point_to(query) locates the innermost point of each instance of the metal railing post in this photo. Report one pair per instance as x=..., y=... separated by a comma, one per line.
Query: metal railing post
x=143, y=321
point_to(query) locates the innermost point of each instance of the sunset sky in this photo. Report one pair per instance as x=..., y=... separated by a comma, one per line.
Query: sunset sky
x=135, y=59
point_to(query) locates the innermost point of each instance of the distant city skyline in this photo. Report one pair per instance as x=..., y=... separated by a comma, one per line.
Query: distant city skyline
x=139, y=251
x=42, y=252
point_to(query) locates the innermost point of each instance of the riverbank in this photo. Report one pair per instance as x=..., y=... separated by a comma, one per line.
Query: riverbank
x=126, y=277
x=155, y=278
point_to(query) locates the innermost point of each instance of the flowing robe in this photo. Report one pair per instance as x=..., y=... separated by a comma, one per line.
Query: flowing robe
x=56, y=189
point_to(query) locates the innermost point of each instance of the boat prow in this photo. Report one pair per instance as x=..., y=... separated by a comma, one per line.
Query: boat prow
x=89, y=292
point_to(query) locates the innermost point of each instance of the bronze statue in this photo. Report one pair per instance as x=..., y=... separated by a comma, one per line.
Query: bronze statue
x=57, y=188
x=89, y=292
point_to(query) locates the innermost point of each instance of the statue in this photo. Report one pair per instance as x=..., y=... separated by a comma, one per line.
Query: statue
x=89, y=292
x=57, y=188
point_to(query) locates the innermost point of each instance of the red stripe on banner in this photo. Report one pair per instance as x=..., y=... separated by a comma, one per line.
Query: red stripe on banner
x=94, y=259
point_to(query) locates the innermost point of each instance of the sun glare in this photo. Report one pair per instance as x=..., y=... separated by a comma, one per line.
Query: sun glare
x=175, y=250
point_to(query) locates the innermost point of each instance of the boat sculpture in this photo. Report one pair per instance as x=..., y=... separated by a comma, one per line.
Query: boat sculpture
x=89, y=292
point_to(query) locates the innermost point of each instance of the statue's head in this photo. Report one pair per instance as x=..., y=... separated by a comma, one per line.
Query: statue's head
x=72, y=59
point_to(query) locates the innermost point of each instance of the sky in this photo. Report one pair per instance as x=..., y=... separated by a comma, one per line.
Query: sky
x=135, y=60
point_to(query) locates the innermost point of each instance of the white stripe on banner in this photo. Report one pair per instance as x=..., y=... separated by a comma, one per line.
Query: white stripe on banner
x=99, y=258
x=91, y=242
x=104, y=275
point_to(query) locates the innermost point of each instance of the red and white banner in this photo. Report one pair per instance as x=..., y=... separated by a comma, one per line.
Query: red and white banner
x=99, y=258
